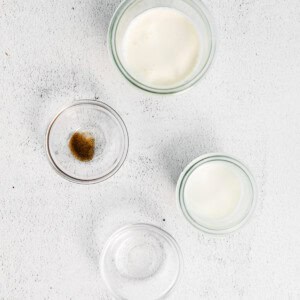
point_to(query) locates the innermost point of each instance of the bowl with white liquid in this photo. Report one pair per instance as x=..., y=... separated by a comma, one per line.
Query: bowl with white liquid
x=216, y=193
x=162, y=47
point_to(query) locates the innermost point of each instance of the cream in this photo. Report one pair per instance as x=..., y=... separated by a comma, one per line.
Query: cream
x=213, y=190
x=161, y=47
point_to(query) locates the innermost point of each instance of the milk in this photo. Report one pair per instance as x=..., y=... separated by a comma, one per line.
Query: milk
x=161, y=47
x=213, y=190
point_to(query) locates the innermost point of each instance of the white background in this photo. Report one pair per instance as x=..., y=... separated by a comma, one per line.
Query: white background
x=52, y=231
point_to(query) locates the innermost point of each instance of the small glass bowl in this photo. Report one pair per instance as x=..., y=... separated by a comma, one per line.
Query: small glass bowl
x=141, y=261
x=244, y=208
x=193, y=9
x=106, y=127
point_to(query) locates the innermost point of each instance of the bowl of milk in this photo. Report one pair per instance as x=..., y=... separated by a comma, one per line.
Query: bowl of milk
x=216, y=193
x=162, y=47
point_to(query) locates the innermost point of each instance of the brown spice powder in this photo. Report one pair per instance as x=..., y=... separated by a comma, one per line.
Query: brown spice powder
x=82, y=146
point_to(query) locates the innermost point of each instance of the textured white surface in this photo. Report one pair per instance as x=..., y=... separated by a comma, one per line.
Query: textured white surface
x=52, y=231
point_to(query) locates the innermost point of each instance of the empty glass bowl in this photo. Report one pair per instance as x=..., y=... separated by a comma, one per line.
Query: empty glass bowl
x=141, y=261
x=233, y=182
x=193, y=9
x=97, y=120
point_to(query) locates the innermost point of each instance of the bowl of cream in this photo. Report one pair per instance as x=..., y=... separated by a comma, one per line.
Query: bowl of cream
x=162, y=47
x=216, y=193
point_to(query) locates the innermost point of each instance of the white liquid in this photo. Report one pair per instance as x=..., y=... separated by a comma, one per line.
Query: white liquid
x=213, y=190
x=161, y=47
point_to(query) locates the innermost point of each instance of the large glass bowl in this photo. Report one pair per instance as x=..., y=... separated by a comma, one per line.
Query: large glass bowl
x=193, y=9
x=106, y=127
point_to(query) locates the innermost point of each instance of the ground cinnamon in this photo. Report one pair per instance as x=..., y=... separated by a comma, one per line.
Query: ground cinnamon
x=82, y=146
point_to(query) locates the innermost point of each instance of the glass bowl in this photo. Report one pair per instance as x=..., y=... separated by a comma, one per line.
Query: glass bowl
x=141, y=261
x=240, y=212
x=193, y=9
x=99, y=121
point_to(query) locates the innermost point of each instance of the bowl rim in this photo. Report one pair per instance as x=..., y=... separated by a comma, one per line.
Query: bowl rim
x=117, y=118
x=111, y=34
x=189, y=169
x=146, y=226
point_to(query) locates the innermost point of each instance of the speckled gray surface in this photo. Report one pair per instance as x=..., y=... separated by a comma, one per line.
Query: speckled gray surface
x=52, y=231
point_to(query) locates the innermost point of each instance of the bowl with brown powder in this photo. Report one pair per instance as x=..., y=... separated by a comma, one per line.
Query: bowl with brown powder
x=87, y=142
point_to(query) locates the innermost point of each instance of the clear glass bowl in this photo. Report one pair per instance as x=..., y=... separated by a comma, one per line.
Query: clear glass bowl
x=104, y=125
x=244, y=208
x=193, y=9
x=141, y=261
